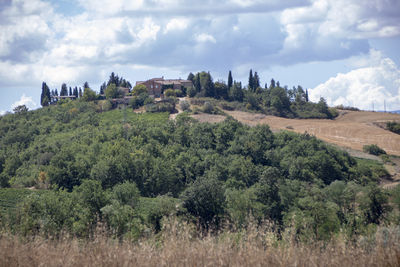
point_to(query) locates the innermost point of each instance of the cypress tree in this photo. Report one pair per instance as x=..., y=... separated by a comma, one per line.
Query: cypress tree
x=103, y=88
x=306, y=95
x=230, y=80
x=80, y=92
x=64, y=90
x=209, y=86
x=45, y=96
x=70, y=91
x=197, y=84
x=256, y=81
x=251, y=80
x=272, y=85
x=75, y=93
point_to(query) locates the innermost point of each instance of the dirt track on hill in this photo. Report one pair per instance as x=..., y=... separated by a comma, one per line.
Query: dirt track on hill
x=352, y=129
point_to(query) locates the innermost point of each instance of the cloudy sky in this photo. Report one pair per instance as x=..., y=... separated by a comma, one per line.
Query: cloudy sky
x=347, y=51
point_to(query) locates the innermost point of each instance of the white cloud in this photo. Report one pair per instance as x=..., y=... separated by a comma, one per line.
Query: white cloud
x=377, y=80
x=204, y=38
x=176, y=24
x=336, y=29
x=2, y=112
x=25, y=100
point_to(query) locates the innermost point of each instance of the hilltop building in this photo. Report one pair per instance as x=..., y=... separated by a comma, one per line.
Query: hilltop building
x=156, y=86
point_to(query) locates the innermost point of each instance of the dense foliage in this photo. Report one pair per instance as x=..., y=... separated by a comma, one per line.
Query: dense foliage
x=105, y=166
x=393, y=126
x=272, y=99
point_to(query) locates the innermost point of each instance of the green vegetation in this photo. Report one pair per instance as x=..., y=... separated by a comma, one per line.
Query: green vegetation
x=10, y=197
x=274, y=100
x=393, y=126
x=129, y=171
x=373, y=150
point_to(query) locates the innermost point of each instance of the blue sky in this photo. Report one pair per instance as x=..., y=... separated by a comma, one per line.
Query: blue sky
x=346, y=51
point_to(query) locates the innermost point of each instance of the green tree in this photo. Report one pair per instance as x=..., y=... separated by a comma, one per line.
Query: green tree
x=221, y=90
x=64, y=90
x=236, y=93
x=272, y=84
x=374, y=204
x=139, y=89
x=113, y=91
x=21, y=109
x=126, y=193
x=190, y=77
x=205, y=199
x=89, y=95
x=75, y=93
x=45, y=96
x=256, y=81
x=251, y=81
x=197, y=84
x=103, y=88
x=230, y=80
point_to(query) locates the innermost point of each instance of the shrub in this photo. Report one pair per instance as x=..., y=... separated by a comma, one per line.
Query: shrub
x=169, y=93
x=191, y=92
x=393, y=126
x=208, y=108
x=184, y=105
x=140, y=100
x=373, y=150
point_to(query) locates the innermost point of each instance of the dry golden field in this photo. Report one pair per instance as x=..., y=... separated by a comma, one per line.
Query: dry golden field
x=178, y=246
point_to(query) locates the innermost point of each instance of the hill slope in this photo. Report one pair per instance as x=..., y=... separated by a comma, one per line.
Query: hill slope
x=352, y=129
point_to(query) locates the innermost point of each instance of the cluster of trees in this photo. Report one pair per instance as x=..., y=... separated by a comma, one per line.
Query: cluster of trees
x=111, y=89
x=115, y=80
x=48, y=96
x=105, y=166
x=272, y=99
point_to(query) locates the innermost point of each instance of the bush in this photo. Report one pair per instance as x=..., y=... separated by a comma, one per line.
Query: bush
x=184, y=105
x=208, y=108
x=170, y=93
x=191, y=92
x=342, y=107
x=140, y=100
x=393, y=126
x=373, y=150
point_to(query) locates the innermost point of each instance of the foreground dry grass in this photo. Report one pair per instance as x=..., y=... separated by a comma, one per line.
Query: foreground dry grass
x=180, y=248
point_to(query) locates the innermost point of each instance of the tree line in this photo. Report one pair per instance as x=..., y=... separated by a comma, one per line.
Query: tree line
x=273, y=99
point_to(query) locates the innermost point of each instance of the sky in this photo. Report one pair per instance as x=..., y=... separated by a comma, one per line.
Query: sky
x=346, y=51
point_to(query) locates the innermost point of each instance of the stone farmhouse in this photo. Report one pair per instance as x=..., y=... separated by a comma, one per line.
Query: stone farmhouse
x=156, y=86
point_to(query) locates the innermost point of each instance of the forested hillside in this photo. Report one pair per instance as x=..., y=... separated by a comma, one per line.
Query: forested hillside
x=130, y=170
